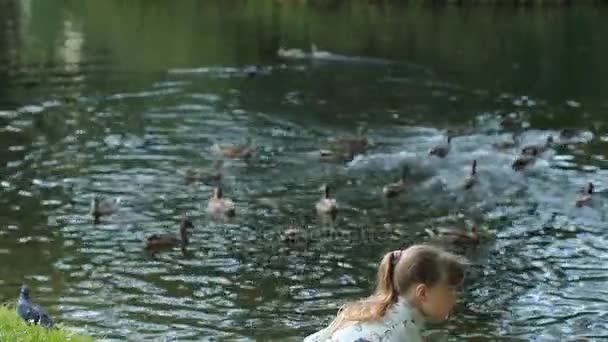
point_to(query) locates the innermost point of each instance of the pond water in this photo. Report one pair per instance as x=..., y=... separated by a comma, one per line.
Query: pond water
x=118, y=99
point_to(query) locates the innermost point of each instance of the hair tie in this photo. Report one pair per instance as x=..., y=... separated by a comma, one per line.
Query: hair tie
x=395, y=256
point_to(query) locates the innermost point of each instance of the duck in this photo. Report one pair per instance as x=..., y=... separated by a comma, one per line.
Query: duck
x=156, y=241
x=219, y=205
x=329, y=156
x=394, y=189
x=242, y=151
x=291, y=53
x=441, y=150
x=205, y=176
x=524, y=160
x=326, y=205
x=355, y=143
x=506, y=144
x=569, y=133
x=471, y=179
x=101, y=208
x=511, y=122
x=293, y=237
x=586, y=197
x=455, y=234
x=538, y=149
x=31, y=313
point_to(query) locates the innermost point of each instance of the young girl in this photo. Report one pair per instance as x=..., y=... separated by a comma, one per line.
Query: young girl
x=414, y=285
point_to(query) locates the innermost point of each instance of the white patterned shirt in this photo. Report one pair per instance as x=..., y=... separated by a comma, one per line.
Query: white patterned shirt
x=401, y=323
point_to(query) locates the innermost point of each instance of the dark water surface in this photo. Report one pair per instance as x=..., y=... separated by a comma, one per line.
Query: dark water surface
x=119, y=98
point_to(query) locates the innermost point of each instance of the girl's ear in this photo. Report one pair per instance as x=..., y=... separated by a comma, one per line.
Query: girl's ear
x=421, y=292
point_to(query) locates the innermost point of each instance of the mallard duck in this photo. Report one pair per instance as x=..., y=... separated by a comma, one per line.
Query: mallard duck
x=524, y=160
x=157, y=241
x=102, y=208
x=219, y=205
x=236, y=151
x=586, y=197
x=455, y=234
x=538, y=149
x=326, y=205
x=32, y=313
x=394, y=189
x=335, y=156
x=441, y=150
x=471, y=178
x=205, y=176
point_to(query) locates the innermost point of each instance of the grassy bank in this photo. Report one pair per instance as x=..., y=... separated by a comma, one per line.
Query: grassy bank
x=13, y=329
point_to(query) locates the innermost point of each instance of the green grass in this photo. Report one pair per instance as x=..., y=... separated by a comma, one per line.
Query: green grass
x=14, y=329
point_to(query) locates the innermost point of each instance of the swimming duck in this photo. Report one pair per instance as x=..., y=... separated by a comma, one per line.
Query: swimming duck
x=569, y=133
x=356, y=144
x=32, y=313
x=524, y=160
x=455, y=234
x=291, y=53
x=293, y=237
x=102, y=208
x=336, y=156
x=538, y=149
x=586, y=197
x=236, y=151
x=219, y=205
x=441, y=150
x=507, y=144
x=511, y=122
x=157, y=241
x=471, y=178
x=205, y=176
x=326, y=205
x=394, y=189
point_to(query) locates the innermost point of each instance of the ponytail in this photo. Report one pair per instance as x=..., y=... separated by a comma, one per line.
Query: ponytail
x=374, y=307
x=398, y=271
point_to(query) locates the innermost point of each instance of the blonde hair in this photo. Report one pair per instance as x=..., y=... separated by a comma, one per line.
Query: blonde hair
x=398, y=271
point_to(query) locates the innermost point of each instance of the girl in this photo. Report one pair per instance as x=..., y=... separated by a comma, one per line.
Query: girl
x=414, y=285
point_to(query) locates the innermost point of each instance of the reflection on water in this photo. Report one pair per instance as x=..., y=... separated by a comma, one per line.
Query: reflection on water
x=120, y=106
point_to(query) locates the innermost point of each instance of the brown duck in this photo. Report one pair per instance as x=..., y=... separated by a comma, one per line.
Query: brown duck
x=441, y=150
x=586, y=197
x=156, y=241
x=394, y=189
x=205, y=176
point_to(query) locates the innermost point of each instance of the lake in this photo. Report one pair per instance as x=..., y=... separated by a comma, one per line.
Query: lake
x=119, y=98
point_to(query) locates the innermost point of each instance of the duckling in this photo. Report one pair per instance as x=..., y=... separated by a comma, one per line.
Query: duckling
x=105, y=208
x=205, y=176
x=441, y=150
x=538, y=149
x=326, y=205
x=524, y=160
x=394, y=189
x=219, y=205
x=586, y=197
x=472, y=177
x=236, y=151
x=156, y=242
x=455, y=234
x=336, y=156
x=31, y=313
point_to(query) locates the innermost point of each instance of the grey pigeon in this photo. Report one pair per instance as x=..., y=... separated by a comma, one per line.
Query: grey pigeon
x=32, y=313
